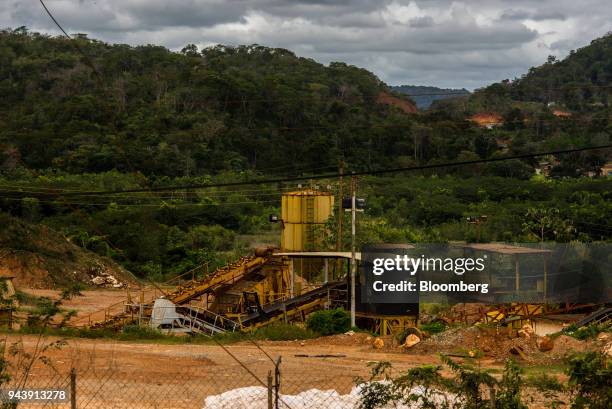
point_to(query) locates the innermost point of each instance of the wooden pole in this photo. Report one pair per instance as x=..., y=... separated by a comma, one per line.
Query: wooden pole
x=353, y=250
x=277, y=381
x=270, y=399
x=73, y=404
x=545, y=279
x=340, y=213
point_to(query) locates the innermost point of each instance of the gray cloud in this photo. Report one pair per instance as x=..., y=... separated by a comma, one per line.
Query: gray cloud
x=422, y=22
x=515, y=15
x=451, y=43
x=548, y=15
x=537, y=15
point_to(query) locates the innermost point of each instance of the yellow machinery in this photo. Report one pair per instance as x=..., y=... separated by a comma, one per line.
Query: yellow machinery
x=271, y=286
x=303, y=216
x=225, y=276
x=386, y=324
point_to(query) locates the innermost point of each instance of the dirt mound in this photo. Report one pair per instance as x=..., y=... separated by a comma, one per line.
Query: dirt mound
x=564, y=345
x=465, y=313
x=498, y=344
x=39, y=257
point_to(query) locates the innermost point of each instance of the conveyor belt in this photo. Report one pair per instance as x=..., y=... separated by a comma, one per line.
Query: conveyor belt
x=595, y=318
x=273, y=311
x=224, y=276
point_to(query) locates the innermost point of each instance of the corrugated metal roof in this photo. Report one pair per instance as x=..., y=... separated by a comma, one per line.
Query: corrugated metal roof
x=320, y=254
x=308, y=192
x=502, y=248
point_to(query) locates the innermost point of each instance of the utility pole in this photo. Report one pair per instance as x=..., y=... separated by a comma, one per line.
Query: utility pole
x=353, y=261
x=340, y=213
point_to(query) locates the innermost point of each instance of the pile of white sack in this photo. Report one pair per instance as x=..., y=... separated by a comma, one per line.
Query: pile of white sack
x=256, y=397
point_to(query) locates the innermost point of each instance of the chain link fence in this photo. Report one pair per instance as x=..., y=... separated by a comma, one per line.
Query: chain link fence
x=112, y=374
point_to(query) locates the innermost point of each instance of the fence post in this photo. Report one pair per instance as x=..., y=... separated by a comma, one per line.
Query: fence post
x=73, y=389
x=276, y=381
x=270, y=401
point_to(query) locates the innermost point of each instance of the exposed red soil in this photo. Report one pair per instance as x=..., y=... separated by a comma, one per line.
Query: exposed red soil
x=403, y=104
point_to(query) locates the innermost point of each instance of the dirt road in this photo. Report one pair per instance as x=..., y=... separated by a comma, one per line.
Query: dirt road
x=95, y=305
x=115, y=374
x=112, y=373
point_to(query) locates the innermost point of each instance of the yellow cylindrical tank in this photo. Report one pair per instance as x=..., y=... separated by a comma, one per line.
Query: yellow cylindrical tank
x=304, y=214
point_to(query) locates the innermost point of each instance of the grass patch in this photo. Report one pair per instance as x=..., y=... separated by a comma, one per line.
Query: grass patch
x=470, y=354
x=277, y=332
x=284, y=332
x=135, y=332
x=274, y=332
x=586, y=332
x=544, y=382
x=536, y=370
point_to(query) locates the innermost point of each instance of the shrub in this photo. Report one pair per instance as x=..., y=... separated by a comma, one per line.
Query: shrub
x=425, y=387
x=382, y=389
x=548, y=386
x=509, y=396
x=590, y=380
x=328, y=322
x=434, y=327
x=587, y=332
x=283, y=332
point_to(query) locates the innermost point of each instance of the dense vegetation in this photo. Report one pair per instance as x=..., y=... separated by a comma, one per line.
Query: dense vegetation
x=86, y=115
x=146, y=109
x=158, y=112
x=580, y=83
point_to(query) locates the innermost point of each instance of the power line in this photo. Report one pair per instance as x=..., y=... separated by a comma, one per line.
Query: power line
x=336, y=175
x=168, y=196
x=161, y=203
x=76, y=45
x=54, y=20
x=54, y=190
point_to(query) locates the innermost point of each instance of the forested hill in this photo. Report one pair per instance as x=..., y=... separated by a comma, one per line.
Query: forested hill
x=84, y=106
x=580, y=82
x=182, y=113
x=424, y=96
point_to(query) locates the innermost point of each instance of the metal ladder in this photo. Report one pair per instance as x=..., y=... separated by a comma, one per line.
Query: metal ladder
x=310, y=220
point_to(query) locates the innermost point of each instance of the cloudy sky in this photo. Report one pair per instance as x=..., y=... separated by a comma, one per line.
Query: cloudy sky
x=466, y=43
